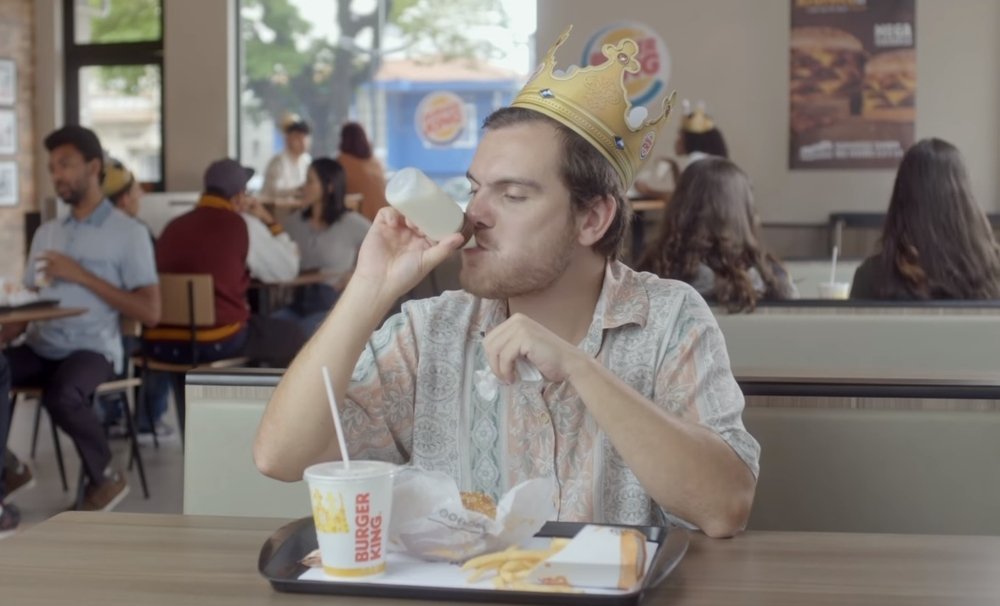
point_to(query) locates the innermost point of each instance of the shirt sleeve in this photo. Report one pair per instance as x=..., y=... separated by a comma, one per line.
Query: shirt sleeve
x=271, y=174
x=270, y=257
x=378, y=414
x=695, y=380
x=138, y=263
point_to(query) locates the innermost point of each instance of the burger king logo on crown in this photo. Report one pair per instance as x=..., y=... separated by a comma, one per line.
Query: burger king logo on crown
x=440, y=118
x=654, y=59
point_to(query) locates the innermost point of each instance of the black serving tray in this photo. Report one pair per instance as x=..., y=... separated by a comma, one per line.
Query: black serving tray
x=280, y=556
x=38, y=303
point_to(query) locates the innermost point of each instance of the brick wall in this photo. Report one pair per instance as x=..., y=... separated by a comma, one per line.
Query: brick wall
x=17, y=43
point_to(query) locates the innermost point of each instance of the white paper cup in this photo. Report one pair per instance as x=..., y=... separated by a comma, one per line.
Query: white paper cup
x=351, y=510
x=834, y=290
x=41, y=278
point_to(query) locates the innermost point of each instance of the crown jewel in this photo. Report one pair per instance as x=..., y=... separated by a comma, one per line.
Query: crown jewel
x=594, y=103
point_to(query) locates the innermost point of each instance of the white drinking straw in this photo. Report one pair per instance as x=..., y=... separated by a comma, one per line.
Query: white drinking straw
x=833, y=266
x=336, y=418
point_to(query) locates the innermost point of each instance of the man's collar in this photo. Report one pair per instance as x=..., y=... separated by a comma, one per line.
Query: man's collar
x=211, y=201
x=623, y=299
x=96, y=217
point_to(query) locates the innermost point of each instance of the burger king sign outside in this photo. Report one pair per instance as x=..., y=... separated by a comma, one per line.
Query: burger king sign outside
x=654, y=59
x=440, y=118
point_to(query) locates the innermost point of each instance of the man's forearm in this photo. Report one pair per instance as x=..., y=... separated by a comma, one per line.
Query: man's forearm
x=297, y=429
x=142, y=304
x=686, y=468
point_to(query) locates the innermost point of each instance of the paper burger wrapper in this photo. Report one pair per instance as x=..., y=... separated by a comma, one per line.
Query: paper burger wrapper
x=607, y=557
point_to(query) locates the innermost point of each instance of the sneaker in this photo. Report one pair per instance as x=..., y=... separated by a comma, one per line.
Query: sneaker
x=17, y=477
x=10, y=517
x=164, y=433
x=106, y=495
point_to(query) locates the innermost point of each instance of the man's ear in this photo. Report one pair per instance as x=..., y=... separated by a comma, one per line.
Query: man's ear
x=94, y=168
x=594, y=222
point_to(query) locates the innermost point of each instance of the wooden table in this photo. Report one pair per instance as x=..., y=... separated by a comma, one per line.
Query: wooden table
x=38, y=314
x=117, y=558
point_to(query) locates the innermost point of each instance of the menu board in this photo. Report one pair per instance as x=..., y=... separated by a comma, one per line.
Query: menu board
x=852, y=83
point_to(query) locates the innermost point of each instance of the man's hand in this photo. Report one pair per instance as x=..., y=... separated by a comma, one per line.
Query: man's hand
x=396, y=255
x=255, y=208
x=58, y=265
x=520, y=336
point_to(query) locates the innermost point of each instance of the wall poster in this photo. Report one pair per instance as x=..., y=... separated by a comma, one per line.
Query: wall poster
x=853, y=79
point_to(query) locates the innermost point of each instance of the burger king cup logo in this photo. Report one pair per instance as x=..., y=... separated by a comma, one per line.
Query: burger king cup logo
x=440, y=118
x=654, y=59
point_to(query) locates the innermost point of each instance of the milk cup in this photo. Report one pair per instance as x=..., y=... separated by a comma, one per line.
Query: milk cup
x=427, y=206
x=351, y=509
x=834, y=290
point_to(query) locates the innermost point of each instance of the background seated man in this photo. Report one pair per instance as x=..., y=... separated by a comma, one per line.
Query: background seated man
x=218, y=238
x=286, y=172
x=638, y=416
x=100, y=259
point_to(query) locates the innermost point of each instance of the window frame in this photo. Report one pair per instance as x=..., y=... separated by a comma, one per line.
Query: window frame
x=96, y=54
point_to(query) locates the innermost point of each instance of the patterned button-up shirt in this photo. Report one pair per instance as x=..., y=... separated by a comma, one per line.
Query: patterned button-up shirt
x=414, y=396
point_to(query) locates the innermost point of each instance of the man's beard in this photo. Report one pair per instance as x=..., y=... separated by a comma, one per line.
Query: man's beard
x=531, y=272
x=74, y=195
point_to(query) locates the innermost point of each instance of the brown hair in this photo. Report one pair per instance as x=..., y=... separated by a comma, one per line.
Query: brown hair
x=936, y=242
x=584, y=171
x=711, y=221
x=354, y=141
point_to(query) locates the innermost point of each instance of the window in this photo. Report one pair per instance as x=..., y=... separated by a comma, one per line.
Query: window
x=114, y=79
x=404, y=70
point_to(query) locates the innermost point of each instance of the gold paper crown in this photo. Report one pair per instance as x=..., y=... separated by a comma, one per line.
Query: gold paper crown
x=696, y=121
x=594, y=103
x=117, y=178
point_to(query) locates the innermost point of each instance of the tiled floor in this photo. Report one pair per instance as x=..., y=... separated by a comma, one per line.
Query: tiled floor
x=164, y=471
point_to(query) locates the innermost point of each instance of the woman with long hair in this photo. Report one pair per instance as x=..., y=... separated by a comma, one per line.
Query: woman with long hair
x=365, y=175
x=936, y=241
x=709, y=239
x=329, y=236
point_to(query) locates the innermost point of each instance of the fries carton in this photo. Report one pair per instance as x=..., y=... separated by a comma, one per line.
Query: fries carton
x=598, y=556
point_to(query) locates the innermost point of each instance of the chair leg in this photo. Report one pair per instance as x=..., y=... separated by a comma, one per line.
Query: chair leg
x=59, y=455
x=180, y=399
x=34, y=432
x=147, y=407
x=81, y=485
x=134, y=440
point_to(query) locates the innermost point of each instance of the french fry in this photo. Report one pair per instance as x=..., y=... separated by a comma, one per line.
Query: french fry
x=511, y=565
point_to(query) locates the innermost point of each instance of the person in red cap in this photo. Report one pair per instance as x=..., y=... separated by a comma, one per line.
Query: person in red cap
x=230, y=237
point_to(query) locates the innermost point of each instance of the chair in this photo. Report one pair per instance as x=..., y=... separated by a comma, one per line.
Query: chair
x=186, y=300
x=125, y=384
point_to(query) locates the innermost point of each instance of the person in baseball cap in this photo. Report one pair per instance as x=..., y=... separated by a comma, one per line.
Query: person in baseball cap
x=227, y=178
x=231, y=236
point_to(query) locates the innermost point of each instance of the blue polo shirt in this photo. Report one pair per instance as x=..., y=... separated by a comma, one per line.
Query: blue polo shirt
x=108, y=244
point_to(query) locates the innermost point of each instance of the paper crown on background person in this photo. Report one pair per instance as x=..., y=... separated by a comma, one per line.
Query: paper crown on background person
x=117, y=178
x=695, y=120
x=594, y=103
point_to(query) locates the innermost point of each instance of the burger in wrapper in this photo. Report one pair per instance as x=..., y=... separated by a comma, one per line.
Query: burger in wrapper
x=432, y=520
x=891, y=86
